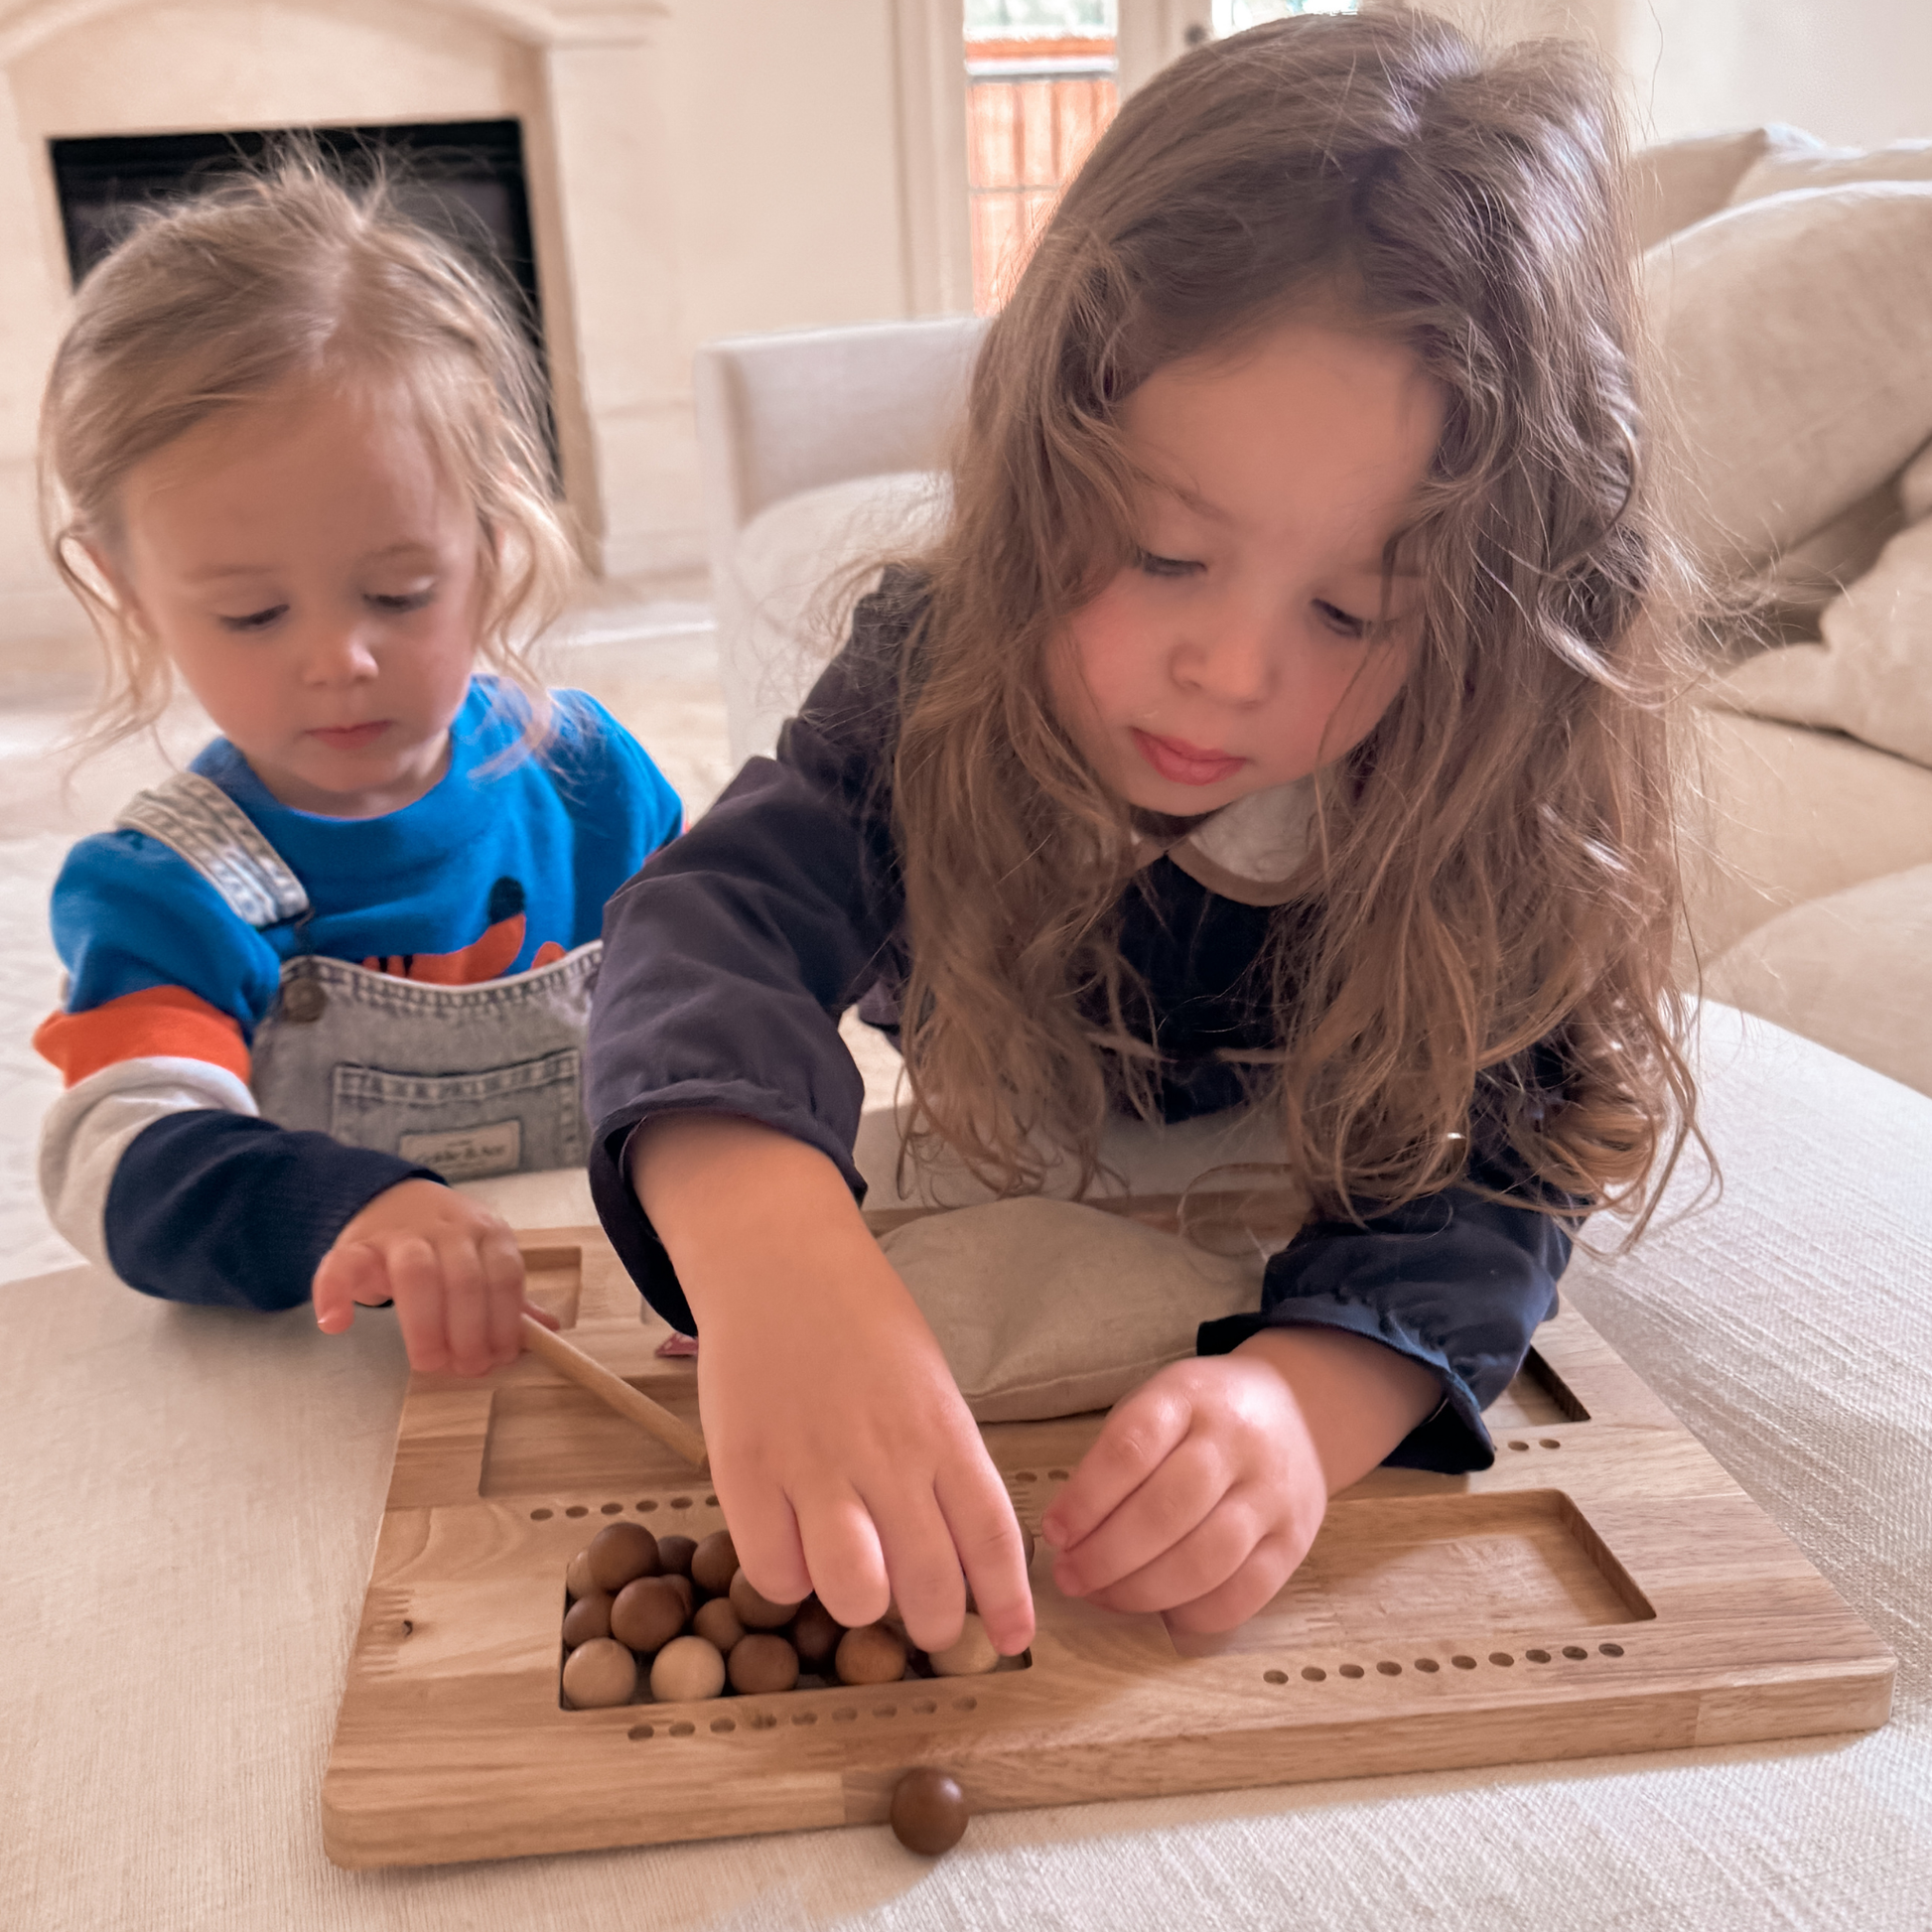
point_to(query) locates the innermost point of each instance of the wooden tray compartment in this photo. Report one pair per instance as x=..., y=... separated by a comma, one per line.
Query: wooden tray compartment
x=1605, y=1587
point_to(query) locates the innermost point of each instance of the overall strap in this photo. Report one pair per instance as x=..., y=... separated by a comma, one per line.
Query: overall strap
x=197, y=820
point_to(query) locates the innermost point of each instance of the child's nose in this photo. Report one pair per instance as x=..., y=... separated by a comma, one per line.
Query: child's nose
x=339, y=652
x=1230, y=654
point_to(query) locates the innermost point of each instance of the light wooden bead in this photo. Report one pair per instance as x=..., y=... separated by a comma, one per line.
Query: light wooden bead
x=577, y=1578
x=599, y=1673
x=758, y=1612
x=687, y=1668
x=872, y=1654
x=971, y=1656
x=717, y=1623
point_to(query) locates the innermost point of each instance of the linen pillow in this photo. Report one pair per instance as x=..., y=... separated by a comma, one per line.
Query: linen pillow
x=1679, y=183
x=1046, y=1308
x=1802, y=162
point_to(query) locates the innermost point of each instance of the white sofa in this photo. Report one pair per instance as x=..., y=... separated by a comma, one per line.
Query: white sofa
x=1810, y=847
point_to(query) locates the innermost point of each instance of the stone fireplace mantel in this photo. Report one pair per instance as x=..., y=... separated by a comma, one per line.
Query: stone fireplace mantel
x=586, y=80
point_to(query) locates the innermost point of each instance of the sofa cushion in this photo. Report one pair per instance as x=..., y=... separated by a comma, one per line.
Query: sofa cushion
x=1805, y=162
x=1678, y=183
x=1788, y=331
x=1851, y=971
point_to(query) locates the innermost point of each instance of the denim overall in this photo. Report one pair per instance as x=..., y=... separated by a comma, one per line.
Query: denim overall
x=467, y=1080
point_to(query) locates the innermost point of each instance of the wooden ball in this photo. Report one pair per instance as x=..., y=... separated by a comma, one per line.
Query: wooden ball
x=620, y=1553
x=872, y=1654
x=577, y=1577
x=674, y=1554
x=763, y=1662
x=815, y=1631
x=599, y=1673
x=686, y=1594
x=1027, y=1542
x=588, y=1619
x=971, y=1655
x=928, y=1812
x=714, y=1563
x=647, y=1614
x=758, y=1612
x=687, y=1668
x=717, y=1623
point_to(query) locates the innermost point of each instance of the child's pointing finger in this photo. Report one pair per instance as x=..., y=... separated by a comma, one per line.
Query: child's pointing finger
x=1142, y=1433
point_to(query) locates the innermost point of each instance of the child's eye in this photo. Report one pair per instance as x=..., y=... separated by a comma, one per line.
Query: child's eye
x=1338, y=621
x=255, y=620
x=403, y=601
x=1154, y=566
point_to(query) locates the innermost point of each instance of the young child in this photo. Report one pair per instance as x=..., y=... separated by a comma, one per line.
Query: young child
x=294, y=458
x=1274, y=724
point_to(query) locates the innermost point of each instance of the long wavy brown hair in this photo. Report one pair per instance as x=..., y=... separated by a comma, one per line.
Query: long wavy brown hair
x=1485, y=918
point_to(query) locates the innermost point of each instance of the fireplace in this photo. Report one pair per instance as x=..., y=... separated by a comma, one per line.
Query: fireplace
x=111, y=97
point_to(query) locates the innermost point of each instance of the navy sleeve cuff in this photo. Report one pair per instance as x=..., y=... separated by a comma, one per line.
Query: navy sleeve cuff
x=229, y=1211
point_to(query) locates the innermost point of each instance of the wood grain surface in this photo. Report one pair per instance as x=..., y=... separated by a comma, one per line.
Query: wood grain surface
x=1606, y=1588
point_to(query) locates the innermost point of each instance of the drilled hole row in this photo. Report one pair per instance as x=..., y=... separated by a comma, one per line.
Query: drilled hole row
x=1542, y=1441
x=763, y=1720
x=1432, y=1666
x=647, y=1506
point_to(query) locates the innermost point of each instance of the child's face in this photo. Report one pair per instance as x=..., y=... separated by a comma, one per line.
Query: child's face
x=316, y=583
x=1247, y=646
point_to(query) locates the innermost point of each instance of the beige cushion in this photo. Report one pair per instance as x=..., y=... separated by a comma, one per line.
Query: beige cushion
x=1679, y=183
x=1851, y=971
x=1792, y=342
x=1802, y=162
x=1872, y=676
x=1046, y=1307
x=786, y=598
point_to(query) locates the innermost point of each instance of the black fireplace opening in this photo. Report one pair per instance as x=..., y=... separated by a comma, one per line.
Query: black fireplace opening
x=462, y=180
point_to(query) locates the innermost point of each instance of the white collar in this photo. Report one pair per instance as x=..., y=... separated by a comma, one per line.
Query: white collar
x=1250, y=850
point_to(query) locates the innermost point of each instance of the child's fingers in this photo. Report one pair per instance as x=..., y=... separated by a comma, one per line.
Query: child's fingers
x=1254, y=1584
x=502, y=1267
x=843, y=1557
x=544, y=1315
x=465, y=1311
x=922, y=1565
x=416, y=1280
x=334, y=1292
x=1178, y=1571
x=1135, y=1440
x=766, y=1535
x=1161, y=1512
x=979, y=1515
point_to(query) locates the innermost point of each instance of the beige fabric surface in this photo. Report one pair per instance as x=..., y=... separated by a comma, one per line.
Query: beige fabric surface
x=1851, y=970
x=1679, y=183
x=1801, y=162
x=192, y=1499
x=1046, y=1308
x=1788, y=335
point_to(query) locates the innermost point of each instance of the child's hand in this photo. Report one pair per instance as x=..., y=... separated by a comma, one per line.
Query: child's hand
x=841, y=1448
x=1209, y=1483
x=452, y=1268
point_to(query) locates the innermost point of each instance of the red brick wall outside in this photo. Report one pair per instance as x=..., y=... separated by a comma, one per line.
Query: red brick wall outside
x=1026, y=135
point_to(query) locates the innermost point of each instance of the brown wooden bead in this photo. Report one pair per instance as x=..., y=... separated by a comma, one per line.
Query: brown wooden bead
x=872, y=1654
x=928, y=1812
x=717, y=1623
x=647, y=1614
x=620, y=1553
x=686, y=1594
x=758, y=1612
x=763, y=1662
x=714, y=1563
x=577, y=1577
x=674, y=1554
x=599, y=1673
x=815, y=1631
x=588, y=1617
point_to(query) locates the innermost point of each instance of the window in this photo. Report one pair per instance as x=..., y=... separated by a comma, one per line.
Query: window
x=1041, y=89
x=1232, y=15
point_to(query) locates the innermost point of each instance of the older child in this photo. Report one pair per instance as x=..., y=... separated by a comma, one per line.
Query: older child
x=293, y=458
x=1272, y=724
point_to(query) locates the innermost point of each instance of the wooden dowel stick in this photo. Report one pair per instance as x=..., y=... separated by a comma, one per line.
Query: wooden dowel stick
x=633, y=1404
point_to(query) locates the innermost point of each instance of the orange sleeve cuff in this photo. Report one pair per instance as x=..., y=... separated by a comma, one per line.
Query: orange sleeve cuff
x=159, y=1021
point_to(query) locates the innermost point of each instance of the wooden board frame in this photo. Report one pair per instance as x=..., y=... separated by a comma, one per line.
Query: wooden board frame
x=1605, y=1587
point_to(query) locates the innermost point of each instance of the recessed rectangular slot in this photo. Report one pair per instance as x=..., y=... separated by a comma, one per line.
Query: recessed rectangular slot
x=1538, y=1397
x=548, y=1441
x=553, y=1278
x=1426, y=1567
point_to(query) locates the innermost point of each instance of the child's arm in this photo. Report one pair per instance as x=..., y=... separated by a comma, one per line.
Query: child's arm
x=842, y=1451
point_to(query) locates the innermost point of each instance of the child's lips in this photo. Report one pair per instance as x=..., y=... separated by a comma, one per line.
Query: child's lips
x=1182, y=763
x=351, y=738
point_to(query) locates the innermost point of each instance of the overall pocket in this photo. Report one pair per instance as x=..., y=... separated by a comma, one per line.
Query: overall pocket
x=513, y=1119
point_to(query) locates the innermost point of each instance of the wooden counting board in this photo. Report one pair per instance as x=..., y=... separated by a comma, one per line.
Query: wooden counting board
x=1605, y=1587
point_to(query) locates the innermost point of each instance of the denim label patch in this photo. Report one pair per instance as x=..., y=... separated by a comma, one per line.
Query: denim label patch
x=466, y=1153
